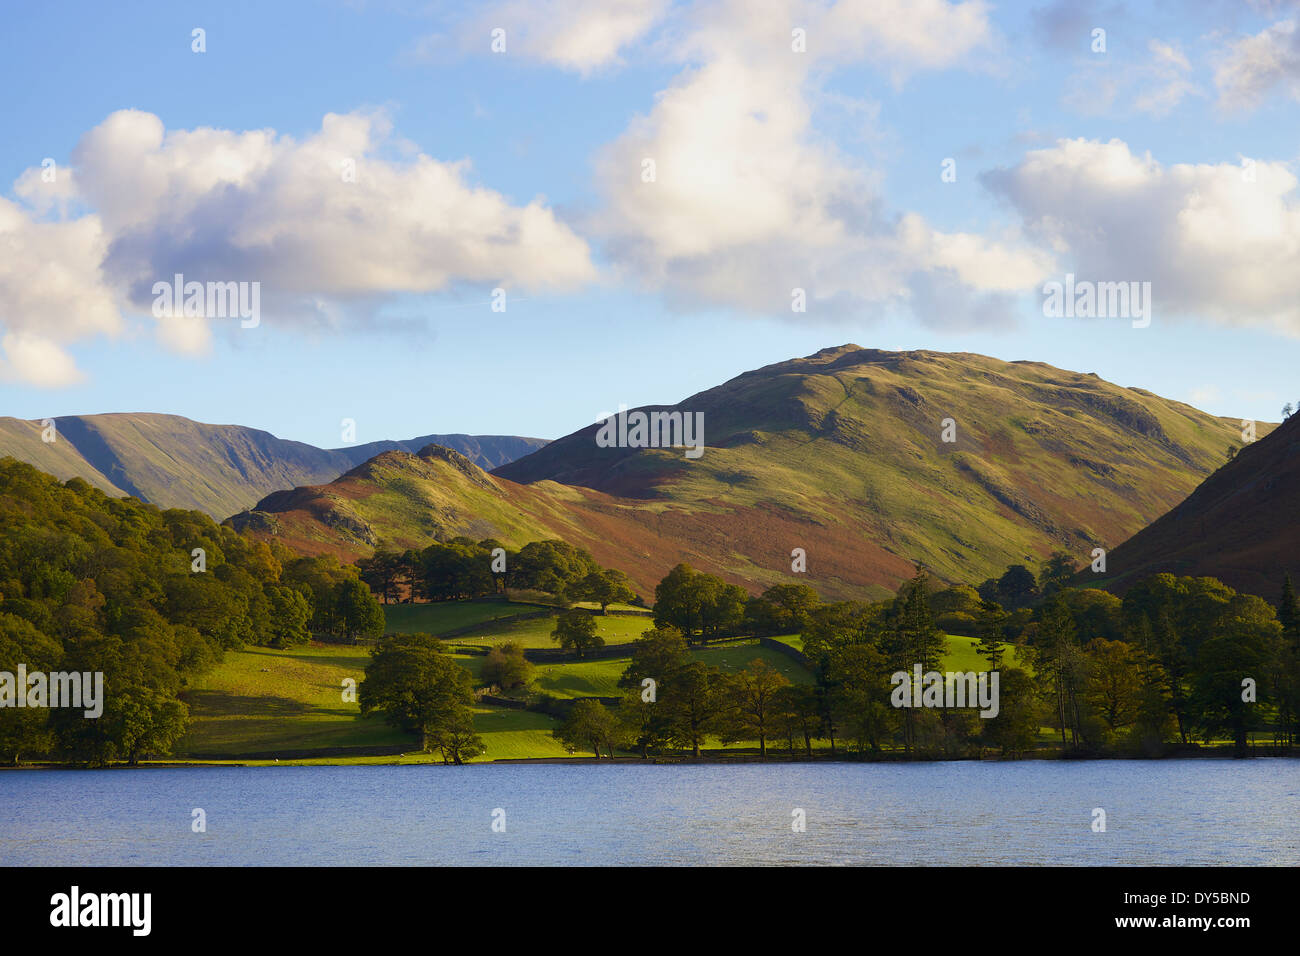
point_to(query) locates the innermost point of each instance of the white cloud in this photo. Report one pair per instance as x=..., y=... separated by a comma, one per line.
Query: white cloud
x=253, y=206
x=221, y=206
x=749, y=202
x=1153, y=87
x=52, y=292
x=30, y=359
x=580, y=35
x=1219, y=241
x=1249, y=68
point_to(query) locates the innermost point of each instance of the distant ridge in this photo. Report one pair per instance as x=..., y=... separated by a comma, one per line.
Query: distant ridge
x=175, y=462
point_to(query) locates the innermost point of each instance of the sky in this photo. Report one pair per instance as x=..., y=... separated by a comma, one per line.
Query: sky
x=509, y=218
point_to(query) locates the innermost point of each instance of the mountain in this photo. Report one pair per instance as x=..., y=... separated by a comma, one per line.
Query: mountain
x=174, y=462
x=401, y=500
x=486, y=451
x=1242, y=525
x=840, y=453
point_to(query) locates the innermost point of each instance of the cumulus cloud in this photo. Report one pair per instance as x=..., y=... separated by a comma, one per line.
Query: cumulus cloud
x=1216, y=240
x=329, y=219
x=580, y=35
x=748, y=202
x=52, y=292
x=219, y=205
x=1251, y=67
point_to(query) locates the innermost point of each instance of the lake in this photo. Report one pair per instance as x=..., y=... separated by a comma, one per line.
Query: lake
x=1033, y=812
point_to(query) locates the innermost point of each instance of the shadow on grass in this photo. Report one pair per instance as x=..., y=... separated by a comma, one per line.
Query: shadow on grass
x=216, y=703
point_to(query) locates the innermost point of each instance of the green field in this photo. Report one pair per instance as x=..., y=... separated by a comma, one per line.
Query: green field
x=600, y=678
x=261, y=700
x=629, y=608
x=536, y=631
x=443, y=616
x=961, y=654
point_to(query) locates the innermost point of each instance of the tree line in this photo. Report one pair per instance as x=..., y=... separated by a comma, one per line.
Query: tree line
x=149, y=598
x=463, y=569
x=1176, y=660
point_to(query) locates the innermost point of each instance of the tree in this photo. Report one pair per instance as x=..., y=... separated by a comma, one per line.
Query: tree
x=420, y=689
x=1017, y=587
x=1243, y=648
x=1056, y=573
x=750, y=703
x=691, y=702
x=604, y=587
x=1015, y=728
x=692, y=602
x=782, y=609
x=455, y=738
x=1061, y=664
x=506, y=667
x=456, y=570
x=795, y=706
x=657, y=655
x=146, y=721
x=1286, y=677
x=956, y=610
x=148, y=599
x=381, y=572
x=1288, y=611
x=589, y=724
x=575, y=630
x=991, y=646
x=290, y=614
x=357, y=612
x=1096, y=613
x=855, y=684
x=1114, y=683
x=551, y=566
x=915, y=632
x=24, y=730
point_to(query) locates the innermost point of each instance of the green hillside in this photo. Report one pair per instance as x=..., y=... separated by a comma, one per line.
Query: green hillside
x=840, y=453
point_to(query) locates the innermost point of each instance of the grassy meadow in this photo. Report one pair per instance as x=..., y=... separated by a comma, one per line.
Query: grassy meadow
x=263, y=701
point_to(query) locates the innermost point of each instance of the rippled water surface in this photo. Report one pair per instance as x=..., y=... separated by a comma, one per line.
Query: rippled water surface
x=1034, y=812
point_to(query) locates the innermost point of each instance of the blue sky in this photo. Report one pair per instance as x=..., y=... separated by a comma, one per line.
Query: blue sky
x=1169, y=157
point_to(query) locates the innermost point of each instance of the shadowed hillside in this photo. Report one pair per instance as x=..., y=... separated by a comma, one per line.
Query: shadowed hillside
x=1242, y=525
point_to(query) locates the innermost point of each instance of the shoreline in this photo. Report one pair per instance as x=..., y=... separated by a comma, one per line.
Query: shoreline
x=401, y=760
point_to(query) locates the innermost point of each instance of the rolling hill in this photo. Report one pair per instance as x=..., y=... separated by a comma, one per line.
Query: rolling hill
x=840, y=453
x=1242, y=525
x=174, y=462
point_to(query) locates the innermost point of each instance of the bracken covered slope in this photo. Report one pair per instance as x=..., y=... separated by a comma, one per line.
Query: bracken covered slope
x=1242, y=525
x=840, y=453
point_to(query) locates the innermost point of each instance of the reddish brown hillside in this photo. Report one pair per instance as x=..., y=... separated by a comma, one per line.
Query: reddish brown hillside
x=1242, y=525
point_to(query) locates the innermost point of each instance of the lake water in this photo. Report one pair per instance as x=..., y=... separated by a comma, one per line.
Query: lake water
x=1034, y=812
